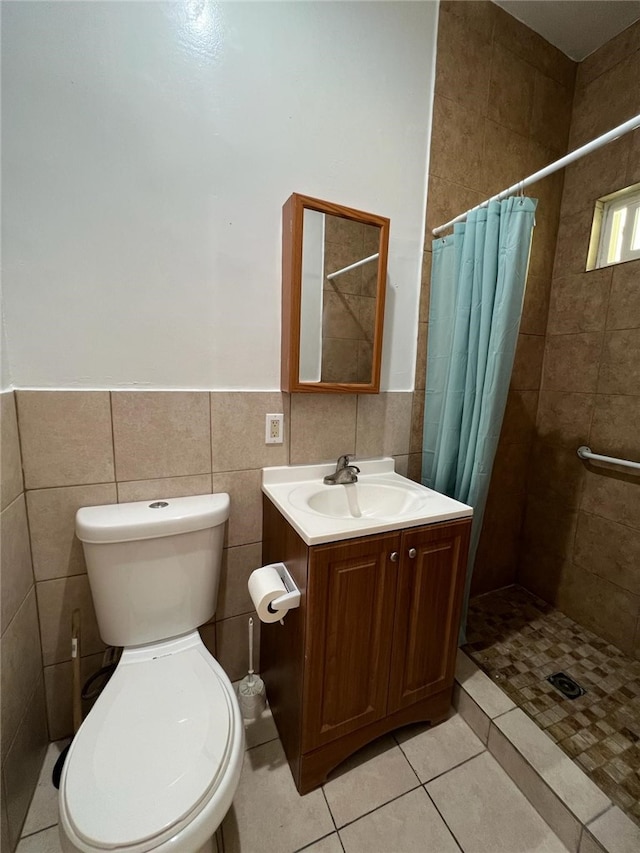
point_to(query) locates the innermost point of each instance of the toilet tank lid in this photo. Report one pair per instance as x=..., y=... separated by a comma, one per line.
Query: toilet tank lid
x=151, y=519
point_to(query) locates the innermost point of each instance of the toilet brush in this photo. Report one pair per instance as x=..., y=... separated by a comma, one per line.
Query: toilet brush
x=251, y=693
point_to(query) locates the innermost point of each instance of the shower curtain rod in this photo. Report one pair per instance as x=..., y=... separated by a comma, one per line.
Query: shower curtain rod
x=620, y=130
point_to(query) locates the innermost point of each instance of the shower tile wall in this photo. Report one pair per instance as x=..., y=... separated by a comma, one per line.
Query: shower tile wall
x=24, y=729
x=502, y=109
x=83, y=448
x=581, y=547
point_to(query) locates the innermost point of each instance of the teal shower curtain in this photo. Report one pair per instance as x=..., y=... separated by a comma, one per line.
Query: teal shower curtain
x=477, y=288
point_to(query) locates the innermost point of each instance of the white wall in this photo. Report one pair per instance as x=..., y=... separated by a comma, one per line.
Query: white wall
x=147, y=150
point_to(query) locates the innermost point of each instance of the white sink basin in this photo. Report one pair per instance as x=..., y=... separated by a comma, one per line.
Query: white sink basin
x=380, y=501
x=357, y=500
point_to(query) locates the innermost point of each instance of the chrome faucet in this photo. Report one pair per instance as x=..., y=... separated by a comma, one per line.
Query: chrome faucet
x=343, y=474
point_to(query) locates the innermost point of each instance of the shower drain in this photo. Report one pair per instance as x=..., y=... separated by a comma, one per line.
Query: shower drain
x=566, y=685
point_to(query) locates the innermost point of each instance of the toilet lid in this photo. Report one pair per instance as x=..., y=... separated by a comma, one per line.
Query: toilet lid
x=152, y=749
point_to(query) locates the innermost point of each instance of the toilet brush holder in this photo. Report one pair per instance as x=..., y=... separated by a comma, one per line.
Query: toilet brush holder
x=251, y=693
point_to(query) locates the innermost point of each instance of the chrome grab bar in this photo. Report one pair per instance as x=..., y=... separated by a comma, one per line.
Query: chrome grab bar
x=584, y=452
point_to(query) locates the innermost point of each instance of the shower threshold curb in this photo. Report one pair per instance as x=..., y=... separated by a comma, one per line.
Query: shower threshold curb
x=580, y=814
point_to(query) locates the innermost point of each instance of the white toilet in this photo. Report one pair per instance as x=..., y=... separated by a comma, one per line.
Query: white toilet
x=157, y=761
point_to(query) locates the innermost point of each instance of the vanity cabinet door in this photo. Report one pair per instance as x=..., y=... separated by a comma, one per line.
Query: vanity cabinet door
x=351, y=594
x=429, y=597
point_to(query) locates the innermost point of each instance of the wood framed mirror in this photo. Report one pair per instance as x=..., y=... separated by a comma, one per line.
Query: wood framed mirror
x=334, y=276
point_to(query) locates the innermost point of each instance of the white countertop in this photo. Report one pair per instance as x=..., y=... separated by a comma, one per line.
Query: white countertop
x=286, y=487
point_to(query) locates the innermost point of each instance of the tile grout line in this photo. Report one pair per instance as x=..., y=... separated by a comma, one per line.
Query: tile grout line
x=451, y=832
x=38, y=831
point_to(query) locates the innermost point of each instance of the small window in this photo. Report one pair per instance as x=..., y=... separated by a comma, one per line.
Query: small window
x=615, y=235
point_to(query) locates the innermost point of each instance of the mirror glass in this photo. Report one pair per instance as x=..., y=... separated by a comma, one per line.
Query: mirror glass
x=337, y=298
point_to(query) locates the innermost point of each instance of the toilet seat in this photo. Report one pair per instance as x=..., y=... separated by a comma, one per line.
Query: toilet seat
x=153, y=751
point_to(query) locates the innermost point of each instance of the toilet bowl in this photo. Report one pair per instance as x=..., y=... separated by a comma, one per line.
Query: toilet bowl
x=155, y=765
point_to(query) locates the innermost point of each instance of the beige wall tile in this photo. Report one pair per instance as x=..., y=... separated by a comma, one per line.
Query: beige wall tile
x=245, y=520
x=208, y=636
x=609, y=550
x=5, y=841
x=21, y=667
x=417, y=422
x=421, y=358
x=511, y=90
x=536, y=305
x=519, y=417
x=601, y=60
x=614, y=430
x=543, y=573
x=238, y=430
x=527, y=364
x=339, y=362
x=603, y=171
x=414, y=468
x=564, y=417
x=543, y=246
x=462, y=72
x=232, y=645
x=402, y=465
x=323, y=427
x=574, y=234
x=66, y=437
x=165, y=487
x=446, y=199
x=595, y=110
x=633, y=165
x=612, y=495
x=549, y=526
x=510, y=469
x=237, y=565
x=58, y=680
x=599, y=605
x=57, y=599
x=161, y=434
x=22, y=765
x=531, y=47
x=571, y=362
x=383, y=424
x=620, y=363
x=504, y=157
x=479, y=15
x=624, y=303
x=579, y=302
x=16, y=576
x=551, y=113
x=425, y=287
x=556, y=475
x=10, y=461
x=57, y=551
x=455, y=153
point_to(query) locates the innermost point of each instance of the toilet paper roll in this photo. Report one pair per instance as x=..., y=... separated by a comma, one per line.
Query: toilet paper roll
x=265, y=585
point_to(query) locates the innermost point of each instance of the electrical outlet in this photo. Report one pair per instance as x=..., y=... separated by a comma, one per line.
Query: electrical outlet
x=274, y=429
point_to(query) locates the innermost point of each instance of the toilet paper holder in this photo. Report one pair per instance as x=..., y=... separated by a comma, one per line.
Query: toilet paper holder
x=291, y=598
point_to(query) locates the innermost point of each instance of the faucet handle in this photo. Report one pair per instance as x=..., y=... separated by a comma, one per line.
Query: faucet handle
x=343, y=462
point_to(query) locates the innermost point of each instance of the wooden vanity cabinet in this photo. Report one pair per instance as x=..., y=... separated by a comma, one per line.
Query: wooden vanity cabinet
x=372, y=646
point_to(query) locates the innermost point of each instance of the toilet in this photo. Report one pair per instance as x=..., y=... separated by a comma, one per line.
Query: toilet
x=156, y=762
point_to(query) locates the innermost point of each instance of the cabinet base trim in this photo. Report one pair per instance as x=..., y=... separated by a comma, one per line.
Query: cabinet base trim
x=315, y=766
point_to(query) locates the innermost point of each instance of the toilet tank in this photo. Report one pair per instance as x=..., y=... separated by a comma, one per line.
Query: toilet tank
x=153, y=566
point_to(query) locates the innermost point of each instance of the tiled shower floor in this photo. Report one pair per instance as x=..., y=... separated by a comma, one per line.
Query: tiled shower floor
x=519, y=640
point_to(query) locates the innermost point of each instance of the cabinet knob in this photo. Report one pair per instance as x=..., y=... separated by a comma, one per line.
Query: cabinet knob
x=412, y=553
x=394, y=557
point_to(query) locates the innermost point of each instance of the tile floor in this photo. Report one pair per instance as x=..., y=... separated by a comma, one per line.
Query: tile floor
x=519, y=640
x=420, y=789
